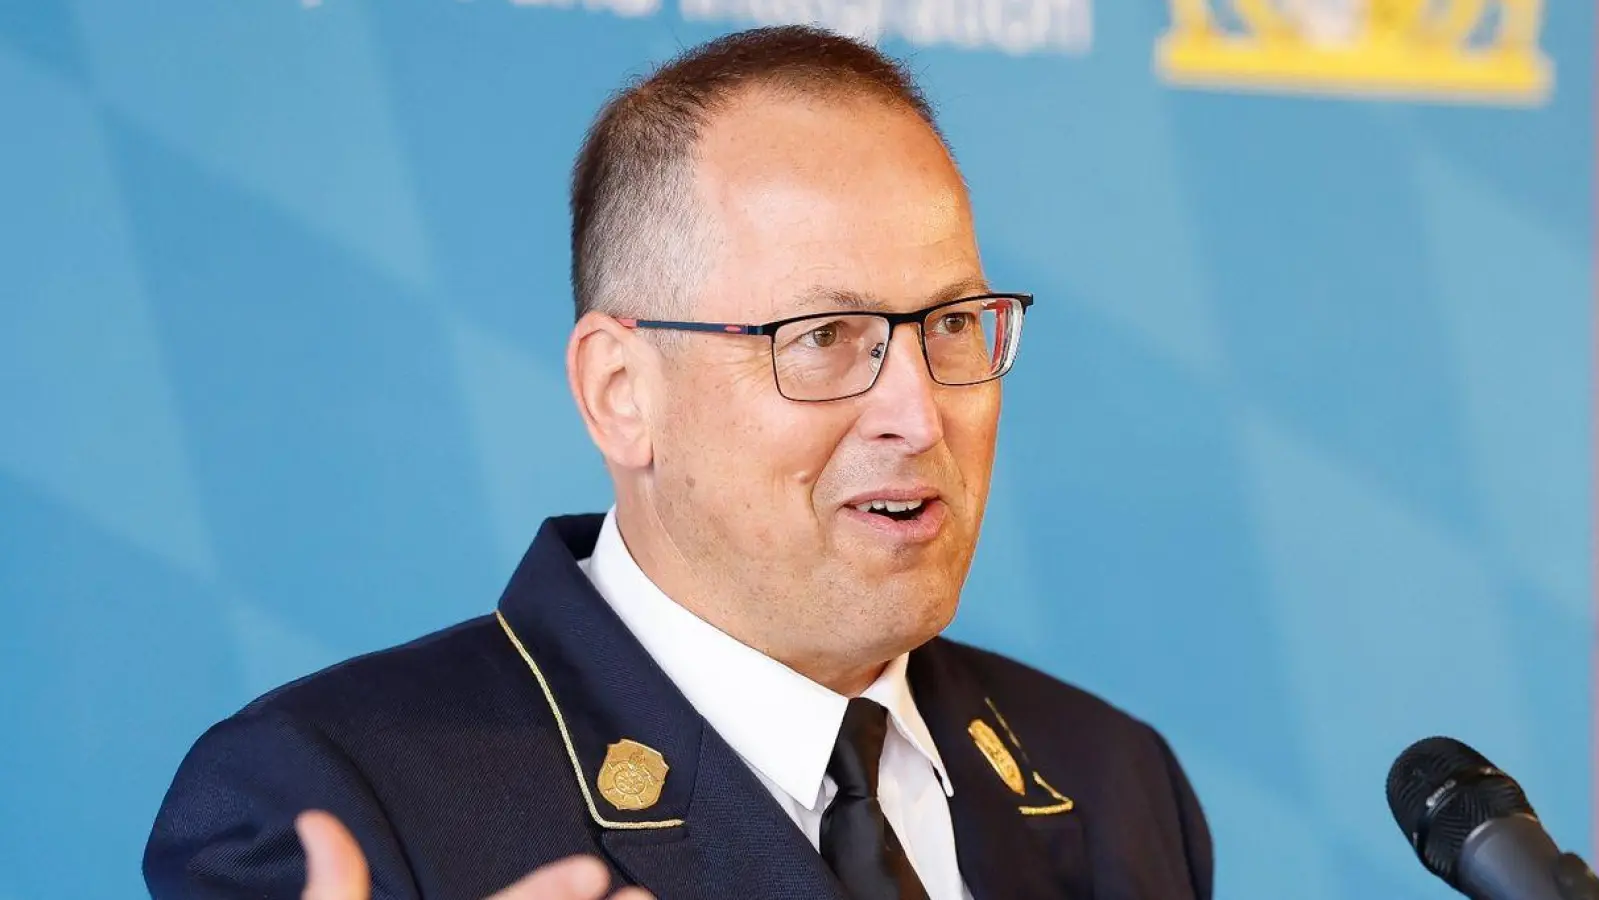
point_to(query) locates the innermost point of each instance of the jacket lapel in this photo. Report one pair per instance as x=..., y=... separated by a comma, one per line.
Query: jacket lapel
x=738, y=843
x=693, y=823
x=1016, y=840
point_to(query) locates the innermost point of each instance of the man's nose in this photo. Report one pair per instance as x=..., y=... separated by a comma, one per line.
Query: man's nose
x=902, y=405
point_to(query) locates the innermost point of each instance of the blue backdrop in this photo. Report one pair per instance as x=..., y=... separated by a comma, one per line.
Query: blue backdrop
x=1297, y=462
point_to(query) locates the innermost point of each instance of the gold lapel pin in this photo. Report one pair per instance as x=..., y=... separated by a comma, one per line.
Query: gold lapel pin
x=994, y=749
x=632, y=775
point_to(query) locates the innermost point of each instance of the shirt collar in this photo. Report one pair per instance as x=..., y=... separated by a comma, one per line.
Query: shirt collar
x=780, y=722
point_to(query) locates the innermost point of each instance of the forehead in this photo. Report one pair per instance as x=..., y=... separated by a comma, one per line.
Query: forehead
x=839, y=197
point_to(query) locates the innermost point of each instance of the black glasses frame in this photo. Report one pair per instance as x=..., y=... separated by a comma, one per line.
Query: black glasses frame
x=895, y=320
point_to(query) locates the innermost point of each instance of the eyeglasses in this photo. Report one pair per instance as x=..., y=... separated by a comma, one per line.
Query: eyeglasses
x=833, y=356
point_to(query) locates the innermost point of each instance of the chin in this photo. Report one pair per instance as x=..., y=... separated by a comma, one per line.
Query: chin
x=915, y=620
x=938, y=619
x=900, y=607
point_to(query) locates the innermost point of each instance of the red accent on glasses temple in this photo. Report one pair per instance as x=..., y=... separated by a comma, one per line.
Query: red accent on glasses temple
x=733, y=329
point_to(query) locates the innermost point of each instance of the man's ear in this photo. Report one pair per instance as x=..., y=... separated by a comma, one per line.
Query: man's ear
x=605, y=370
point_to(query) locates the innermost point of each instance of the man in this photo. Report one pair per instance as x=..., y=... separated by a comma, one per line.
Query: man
x=731, y=685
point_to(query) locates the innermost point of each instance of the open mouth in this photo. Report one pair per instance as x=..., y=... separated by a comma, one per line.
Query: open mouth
x=898, y=510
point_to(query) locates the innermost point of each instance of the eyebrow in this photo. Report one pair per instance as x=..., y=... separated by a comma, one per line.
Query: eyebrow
x=840, y=298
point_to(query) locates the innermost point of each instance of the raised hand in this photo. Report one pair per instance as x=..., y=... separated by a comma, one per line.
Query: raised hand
x=336, y=870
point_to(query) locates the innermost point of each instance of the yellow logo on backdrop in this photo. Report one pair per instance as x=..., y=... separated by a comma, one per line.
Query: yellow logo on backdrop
x=1482, y=51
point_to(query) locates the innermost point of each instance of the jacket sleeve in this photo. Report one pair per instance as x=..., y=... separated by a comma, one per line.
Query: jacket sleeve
x=226, y=828
x=1196, y=831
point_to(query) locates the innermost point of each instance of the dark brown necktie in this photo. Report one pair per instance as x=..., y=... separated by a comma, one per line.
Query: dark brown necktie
x=857, y=842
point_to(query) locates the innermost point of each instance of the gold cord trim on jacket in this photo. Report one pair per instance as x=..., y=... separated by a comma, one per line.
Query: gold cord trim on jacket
x=566, y=738
x=1064, y=806
x=1005, y=725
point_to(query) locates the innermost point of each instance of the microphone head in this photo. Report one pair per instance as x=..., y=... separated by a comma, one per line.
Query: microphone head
x=1439, y=791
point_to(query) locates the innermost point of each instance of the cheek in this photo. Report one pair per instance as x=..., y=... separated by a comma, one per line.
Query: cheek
x=760, y=455
x=970, y=430
x=798, y=454
x=783, y=458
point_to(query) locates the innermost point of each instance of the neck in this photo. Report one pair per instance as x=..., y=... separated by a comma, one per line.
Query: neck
x=849, y=682
x=665, y=566
x=844, y=677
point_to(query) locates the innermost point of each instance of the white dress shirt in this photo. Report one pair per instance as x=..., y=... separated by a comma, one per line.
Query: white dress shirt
x=782, y=724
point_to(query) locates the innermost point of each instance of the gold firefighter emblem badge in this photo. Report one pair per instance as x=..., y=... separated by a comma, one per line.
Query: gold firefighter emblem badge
x=994, y=749
x=632, y=775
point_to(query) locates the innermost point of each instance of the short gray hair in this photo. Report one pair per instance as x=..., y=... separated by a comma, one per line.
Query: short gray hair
x=635, y=228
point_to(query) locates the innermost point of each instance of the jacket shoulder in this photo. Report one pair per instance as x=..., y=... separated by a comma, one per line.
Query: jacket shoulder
x=1121, y=770
x=400, y=745
x=418, y=720
x=465, y=664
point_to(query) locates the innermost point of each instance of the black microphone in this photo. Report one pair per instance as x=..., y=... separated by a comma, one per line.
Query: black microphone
x=1472, y=826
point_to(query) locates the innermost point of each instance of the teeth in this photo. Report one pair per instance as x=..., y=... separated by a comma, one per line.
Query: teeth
x=894, y=506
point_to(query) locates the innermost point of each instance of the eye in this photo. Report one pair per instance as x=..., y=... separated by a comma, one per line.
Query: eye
x=954, y=322
x=822, y=336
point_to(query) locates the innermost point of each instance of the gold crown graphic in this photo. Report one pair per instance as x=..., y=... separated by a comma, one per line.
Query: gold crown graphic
x=1462, y=50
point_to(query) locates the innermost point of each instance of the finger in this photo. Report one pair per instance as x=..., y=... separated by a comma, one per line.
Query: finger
x=633, y=893
x=573, y=878
x=334, y=866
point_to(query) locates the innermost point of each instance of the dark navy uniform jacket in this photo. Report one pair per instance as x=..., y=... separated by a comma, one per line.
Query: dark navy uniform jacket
x=468, y=758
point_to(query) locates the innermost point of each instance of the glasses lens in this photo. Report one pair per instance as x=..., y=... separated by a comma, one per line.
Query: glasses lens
x=828, y=357
x=972, y=341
